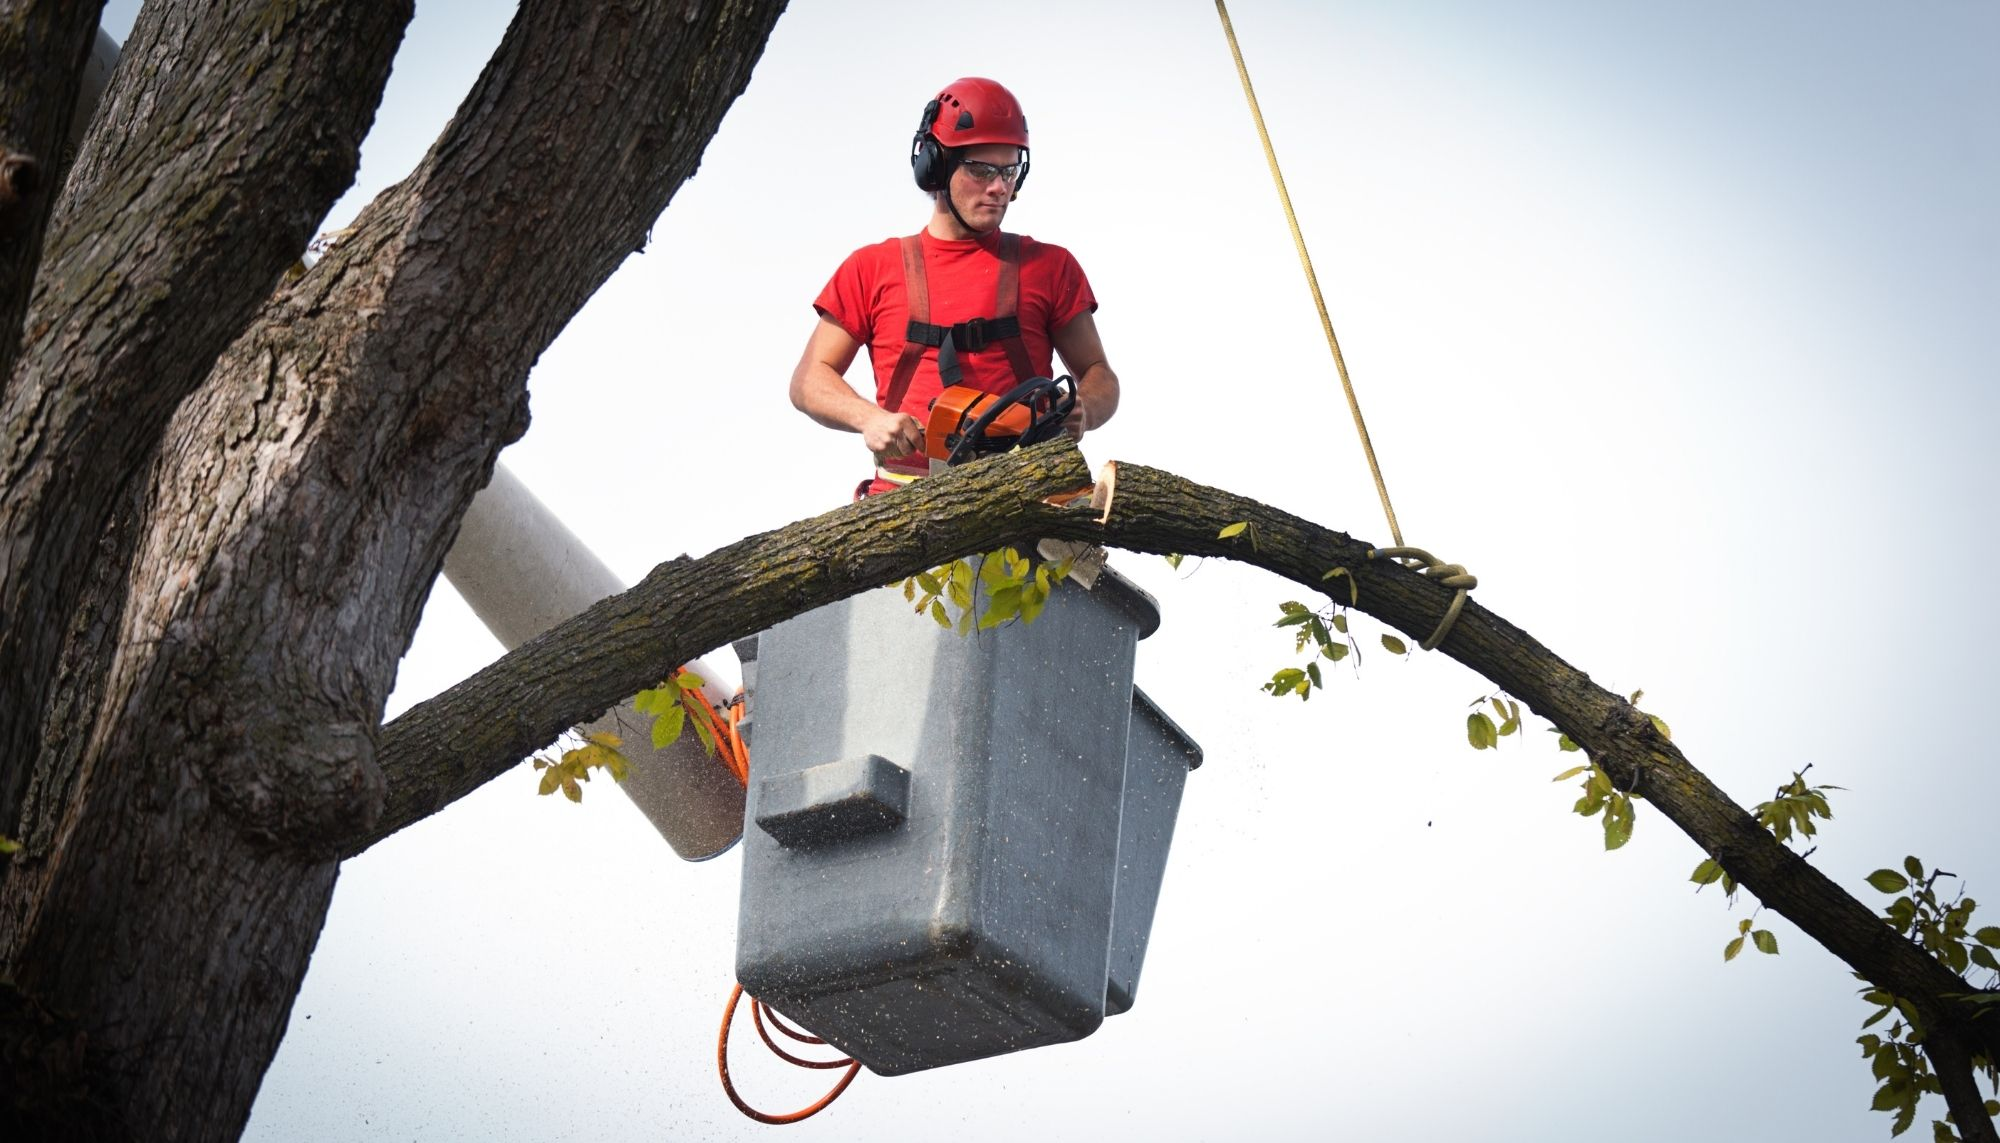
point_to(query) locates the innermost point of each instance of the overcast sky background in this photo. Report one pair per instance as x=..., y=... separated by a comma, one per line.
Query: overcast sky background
x=1674, y=322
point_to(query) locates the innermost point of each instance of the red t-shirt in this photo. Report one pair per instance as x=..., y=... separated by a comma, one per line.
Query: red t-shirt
x=865, y=298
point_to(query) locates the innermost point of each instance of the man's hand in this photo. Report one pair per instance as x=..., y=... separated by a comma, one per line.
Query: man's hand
x=890, y=435
x=1076, y=423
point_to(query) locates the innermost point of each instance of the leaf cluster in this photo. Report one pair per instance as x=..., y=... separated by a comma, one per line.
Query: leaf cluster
x=1326, y=631
x=1794, y=807
x=1485, y=734
x=1942, y=927
x=1601, y=797
x=1016, y=587
x=567, y=773
x=674, y=706
x=1764, y=940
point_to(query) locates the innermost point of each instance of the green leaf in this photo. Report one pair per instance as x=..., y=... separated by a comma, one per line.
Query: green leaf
x=1033, y=599
x=706, y=735
x=1915, y=868
x=1766, y=943
x=618, y=764
x=1174, y=560
x=1617, y=821
x=551, y=778
x=938, y=613
x=1730, y=950
x=1887, y=881
x=1565, y=742
x=1988, y=936
x=1292, y=620
x=1340, y=622
x=929, y=583
x=1353, y=586
x=570, y=789
x=1312, y=672
x=1660, y=724
x=9, y=845
x=687, y=680
x=1394, y=645
x=1480, y=732
x=1233, y=530
x=667, y=727
x=1876, y=1019
x=1707, y=873
x=1572, y=772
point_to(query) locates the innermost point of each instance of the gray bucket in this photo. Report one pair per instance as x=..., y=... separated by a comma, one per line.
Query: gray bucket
x=933, y=865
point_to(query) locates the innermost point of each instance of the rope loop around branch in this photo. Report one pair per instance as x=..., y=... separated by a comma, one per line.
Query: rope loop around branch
x=1429, y=566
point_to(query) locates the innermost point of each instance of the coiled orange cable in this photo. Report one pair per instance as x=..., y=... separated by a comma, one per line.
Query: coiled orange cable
x=758, y=1009
x=727, y=734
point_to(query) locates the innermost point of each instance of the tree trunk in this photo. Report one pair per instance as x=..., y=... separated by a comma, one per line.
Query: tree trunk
x=257, y=114
x=180, y=862
x=43, y=44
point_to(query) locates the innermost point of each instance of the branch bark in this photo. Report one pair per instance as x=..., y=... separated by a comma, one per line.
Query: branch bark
x=441, y=749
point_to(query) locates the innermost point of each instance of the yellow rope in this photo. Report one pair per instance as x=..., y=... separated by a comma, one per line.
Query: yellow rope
x=1298, y=239
x=1450, y=575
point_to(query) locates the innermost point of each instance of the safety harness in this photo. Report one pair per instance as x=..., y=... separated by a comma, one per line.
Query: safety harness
x=1002, y=329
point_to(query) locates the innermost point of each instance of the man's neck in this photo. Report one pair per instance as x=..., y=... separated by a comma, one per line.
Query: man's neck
x=945, y=227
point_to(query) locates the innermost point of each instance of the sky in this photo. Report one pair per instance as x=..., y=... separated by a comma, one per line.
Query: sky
x=1673, y=322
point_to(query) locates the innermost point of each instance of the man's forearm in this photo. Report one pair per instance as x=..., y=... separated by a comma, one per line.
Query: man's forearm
x=1097, y=392
x=826, y=397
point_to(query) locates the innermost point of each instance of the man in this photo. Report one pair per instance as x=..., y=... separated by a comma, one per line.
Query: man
x=991, y=306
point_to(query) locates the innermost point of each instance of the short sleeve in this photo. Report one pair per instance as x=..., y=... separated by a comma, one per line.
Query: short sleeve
x=1072, y=296
x=845, y=300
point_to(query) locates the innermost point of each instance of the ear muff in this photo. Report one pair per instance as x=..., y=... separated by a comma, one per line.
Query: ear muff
x=929, y=161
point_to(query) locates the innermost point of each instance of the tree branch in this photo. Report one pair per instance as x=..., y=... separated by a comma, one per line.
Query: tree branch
x=479, y=728
x=443, y=749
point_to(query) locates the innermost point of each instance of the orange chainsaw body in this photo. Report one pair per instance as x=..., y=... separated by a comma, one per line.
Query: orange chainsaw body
x=954, y=410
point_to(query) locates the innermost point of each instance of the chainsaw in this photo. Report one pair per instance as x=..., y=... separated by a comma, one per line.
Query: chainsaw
x=967, y=423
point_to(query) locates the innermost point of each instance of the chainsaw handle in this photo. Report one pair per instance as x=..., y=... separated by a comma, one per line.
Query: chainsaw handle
x=1059, y=395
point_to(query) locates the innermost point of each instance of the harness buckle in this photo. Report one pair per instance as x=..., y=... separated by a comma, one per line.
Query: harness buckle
x=970, y=335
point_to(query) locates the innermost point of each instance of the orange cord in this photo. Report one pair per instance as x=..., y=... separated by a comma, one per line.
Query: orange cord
x=757, y=1011
x=729, y=745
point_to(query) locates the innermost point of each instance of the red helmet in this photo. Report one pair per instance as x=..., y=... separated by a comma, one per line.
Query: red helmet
x=967, y=113
x=973, y=111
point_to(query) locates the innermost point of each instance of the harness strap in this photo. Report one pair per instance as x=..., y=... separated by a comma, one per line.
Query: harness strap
x=1004, y=327
x=917, y=298
x=1008, y=299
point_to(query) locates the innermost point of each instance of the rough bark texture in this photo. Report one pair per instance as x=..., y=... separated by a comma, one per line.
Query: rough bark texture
x=43, y=44
x=225, y=681
x=258, y=111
